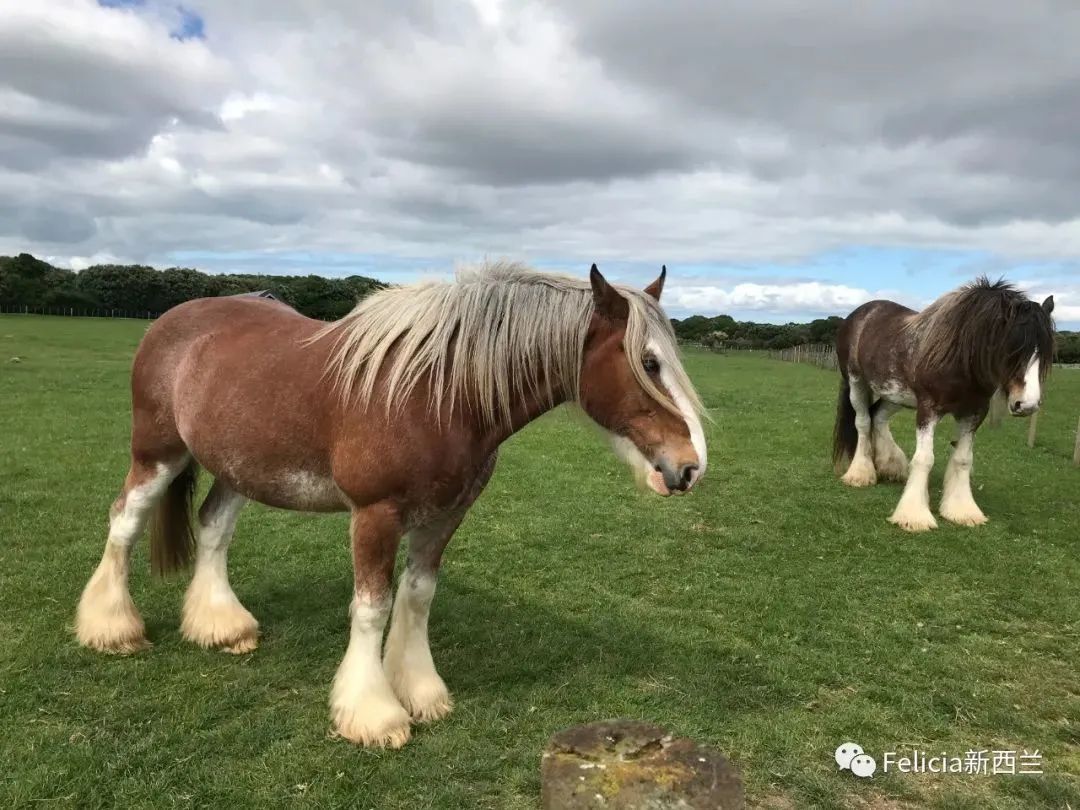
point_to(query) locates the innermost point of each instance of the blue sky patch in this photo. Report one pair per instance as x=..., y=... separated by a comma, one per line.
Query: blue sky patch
x=188, y=24
x=191, y=25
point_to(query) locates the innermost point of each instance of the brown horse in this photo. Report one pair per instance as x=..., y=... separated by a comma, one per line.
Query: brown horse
x=952, y=358
x=393, y=413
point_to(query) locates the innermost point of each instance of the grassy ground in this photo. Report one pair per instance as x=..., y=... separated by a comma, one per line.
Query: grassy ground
x=773, y=613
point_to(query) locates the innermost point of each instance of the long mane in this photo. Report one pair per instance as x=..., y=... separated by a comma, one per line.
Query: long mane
x=985, y=330
x=497, y=333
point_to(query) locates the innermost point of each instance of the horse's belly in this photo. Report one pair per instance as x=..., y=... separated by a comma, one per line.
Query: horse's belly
x=285, y=484
x=895, y=392
x=299, y=490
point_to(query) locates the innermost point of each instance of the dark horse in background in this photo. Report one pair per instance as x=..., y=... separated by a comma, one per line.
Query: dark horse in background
x=952, y=358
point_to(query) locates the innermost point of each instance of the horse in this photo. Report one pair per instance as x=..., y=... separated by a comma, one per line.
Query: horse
x=393, y=413
x=981, y=342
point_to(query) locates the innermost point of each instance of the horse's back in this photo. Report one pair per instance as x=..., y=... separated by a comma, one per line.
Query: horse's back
x=165, y=357
x=232, y=381
x=880, y=322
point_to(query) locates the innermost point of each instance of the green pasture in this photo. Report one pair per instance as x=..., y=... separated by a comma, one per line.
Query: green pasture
x=772, y=613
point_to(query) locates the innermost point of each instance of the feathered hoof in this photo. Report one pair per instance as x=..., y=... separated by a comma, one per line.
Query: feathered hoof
x=963, y=516
x=429, y=703
x=859, y=477
x=373, y=726
x=107, y=620
x=913, y=521
x=223, y=624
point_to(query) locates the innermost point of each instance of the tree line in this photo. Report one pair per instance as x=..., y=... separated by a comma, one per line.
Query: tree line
x=724, y=332
x=26, y=281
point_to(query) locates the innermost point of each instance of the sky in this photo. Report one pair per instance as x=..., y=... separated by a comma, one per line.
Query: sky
x=785, y=160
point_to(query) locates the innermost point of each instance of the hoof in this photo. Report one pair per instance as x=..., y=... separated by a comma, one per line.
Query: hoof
x=229, y=626
x=859, y=478
x=115, y=643
x=426, y=702
x=914, y=522
x=964, y=517
x=107, y=620
x=373, y=727
x=892, y=472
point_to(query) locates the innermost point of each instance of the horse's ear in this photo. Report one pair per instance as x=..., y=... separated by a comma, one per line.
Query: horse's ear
x=1048, y=304
x=657, y=286
x=606, y=299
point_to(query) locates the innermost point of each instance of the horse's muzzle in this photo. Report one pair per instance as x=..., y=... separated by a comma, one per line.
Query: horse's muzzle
x=1020, y=408
x=677, y=477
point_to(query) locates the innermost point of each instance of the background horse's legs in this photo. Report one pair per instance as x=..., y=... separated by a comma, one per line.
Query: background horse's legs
x=957, y=503
x=213, y=616
x=363, y=706
x=913, y=511
x=107, y=619
x=861, y=473
x=889, y=460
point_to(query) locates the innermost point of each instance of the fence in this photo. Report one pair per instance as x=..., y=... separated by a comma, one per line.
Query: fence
x=78, y=312
x=822, y=355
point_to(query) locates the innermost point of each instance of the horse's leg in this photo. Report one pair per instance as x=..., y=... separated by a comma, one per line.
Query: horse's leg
x=213, y=616
x=107, y=619
x=957, y=503
x=889, y=460
x=861, y=472
x=407, y=659
x=364, y=707
x=913, y=511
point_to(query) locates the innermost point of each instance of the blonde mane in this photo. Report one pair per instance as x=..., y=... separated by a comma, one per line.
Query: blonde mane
x=496, y=334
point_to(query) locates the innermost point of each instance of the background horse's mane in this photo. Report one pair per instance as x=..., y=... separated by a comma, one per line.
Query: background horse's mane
x=497, y=333
x=984, y=329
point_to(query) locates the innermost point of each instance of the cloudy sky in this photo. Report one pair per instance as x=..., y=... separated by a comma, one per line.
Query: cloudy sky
x=785, y=159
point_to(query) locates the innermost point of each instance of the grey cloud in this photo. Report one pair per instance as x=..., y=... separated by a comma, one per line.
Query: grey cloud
x=48, y=224
x=1001, y=85
x=611, y=131
x=506, y=152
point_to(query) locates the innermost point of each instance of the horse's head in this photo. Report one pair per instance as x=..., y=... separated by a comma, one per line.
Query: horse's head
x=1029, y=352
x=633, y=385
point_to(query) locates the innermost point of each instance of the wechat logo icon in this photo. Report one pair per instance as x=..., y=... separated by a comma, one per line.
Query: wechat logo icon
x=850, y=756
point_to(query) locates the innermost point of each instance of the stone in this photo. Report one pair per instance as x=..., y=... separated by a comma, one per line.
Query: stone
x=630, y=765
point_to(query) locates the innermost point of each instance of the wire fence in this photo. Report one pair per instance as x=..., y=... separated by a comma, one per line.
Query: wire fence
x=822, y=355
x=78, y=312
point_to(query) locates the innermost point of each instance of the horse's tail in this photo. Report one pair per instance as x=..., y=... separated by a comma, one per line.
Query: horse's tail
x=171, y=539
x=845, y=435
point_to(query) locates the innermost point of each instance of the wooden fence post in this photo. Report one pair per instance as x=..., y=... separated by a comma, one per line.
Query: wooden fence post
x=1032, y=427
x=1076, y=449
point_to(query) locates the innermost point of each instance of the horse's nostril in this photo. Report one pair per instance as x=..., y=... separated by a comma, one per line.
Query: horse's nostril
x=688, y=471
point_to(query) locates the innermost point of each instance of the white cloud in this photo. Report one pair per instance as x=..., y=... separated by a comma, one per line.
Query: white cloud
x=796, y=297
x=488, y=127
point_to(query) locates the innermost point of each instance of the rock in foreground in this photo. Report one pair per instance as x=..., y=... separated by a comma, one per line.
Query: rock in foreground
x=625, y=764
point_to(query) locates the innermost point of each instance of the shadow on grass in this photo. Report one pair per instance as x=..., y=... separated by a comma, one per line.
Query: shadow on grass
x=503, y=646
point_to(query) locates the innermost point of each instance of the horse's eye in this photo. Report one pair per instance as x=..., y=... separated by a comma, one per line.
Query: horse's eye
x=651, y=364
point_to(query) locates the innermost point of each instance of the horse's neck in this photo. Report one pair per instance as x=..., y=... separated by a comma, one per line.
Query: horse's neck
x=523, y=411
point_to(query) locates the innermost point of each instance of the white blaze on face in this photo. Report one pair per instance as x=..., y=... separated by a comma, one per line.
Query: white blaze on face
x=682, y=402
x=1032, y=391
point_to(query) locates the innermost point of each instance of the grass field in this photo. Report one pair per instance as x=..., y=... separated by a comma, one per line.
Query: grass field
x=773, y=612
